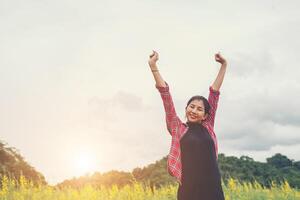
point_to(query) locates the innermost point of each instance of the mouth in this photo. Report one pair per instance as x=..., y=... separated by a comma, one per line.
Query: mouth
x=193, y=117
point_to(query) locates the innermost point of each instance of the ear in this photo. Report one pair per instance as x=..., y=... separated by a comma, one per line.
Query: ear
x=205, y=116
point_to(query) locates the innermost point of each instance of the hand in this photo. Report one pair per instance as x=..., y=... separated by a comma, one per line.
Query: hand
x=220, y=59
x=153, y=58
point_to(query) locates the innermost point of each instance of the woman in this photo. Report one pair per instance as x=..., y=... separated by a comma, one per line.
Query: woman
x=193, y=155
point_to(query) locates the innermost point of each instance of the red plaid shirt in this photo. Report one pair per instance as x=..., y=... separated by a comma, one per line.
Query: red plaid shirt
x=177, y=128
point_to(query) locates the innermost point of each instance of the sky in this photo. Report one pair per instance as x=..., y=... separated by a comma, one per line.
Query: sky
x=77, y=94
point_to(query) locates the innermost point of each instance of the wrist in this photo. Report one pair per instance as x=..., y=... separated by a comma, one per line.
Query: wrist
x=153, y=66
x=224, y=64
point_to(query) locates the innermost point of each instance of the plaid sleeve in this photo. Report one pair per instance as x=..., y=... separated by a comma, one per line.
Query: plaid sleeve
x=213, y=100
x=172, y=119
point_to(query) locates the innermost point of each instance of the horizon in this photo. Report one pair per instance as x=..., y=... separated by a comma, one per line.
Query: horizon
x=91, y=173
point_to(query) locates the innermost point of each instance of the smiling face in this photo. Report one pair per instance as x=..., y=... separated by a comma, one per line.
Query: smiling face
x=195, y=111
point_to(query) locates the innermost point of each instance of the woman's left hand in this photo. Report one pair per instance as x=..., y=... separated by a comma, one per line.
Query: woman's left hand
x=220, y=59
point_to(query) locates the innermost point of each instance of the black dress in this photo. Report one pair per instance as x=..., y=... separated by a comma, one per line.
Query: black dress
x=201, y=179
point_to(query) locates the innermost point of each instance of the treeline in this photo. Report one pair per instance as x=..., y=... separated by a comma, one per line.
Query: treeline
x=277, y=169
x=13, y=165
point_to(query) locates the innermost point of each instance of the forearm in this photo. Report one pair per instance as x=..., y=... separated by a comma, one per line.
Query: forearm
x=157, y=77
x=172, y=119
x=220, y=77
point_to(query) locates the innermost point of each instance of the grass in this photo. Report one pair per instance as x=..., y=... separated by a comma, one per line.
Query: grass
x=234, y=190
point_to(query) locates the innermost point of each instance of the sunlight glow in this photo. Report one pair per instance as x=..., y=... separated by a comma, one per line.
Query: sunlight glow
x=84, y=163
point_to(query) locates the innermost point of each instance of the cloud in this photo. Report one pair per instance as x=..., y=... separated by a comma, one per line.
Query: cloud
x=259, y=109
x=127, y=123
x=260, y=136
x=115, y=108
x=247, y=64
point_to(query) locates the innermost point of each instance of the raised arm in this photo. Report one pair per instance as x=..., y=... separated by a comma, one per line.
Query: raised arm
x=172, y=119
x=214, y=92
x=219, y=80
x=153, y=66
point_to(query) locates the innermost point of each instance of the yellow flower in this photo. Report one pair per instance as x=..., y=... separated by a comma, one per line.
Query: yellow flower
x=23, y=181
x=286, y=187
x=257, y=185
x=232, y=184
x=4, y=183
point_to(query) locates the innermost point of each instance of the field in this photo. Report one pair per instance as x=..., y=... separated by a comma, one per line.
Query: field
x=25, y=190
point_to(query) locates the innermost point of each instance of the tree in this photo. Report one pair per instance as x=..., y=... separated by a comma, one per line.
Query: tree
x=13, y=165
x=280, y=161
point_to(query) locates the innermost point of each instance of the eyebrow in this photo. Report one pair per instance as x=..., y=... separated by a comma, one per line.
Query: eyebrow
x=197, y=106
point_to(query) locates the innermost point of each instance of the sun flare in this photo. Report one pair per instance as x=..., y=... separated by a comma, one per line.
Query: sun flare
x=84, y=163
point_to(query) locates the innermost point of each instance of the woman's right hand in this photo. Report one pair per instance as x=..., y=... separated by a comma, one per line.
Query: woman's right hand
x=153, y=58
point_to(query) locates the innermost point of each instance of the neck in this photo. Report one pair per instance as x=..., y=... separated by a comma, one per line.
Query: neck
x=198, y=122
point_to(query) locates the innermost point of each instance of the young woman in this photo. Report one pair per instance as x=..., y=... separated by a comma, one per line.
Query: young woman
x=192, y=159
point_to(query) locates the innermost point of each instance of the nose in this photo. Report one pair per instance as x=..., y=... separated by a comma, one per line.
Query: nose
x=194, y=110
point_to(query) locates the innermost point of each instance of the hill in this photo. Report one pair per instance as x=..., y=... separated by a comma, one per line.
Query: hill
x=13, y=165
x=277, y=169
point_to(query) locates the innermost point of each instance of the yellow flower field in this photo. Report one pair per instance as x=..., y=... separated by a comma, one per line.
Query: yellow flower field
x=25, y=190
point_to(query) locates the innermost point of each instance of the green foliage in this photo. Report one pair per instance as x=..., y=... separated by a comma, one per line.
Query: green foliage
x=13, y=165
x=277, y=169
x=279, y=161
x=244, y=169
x=107, y=179
x=154, y=174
